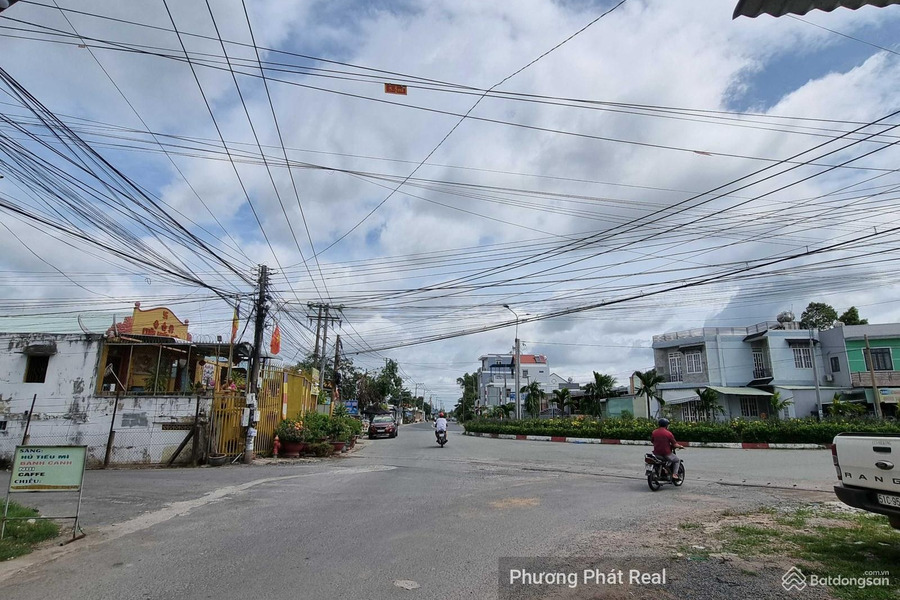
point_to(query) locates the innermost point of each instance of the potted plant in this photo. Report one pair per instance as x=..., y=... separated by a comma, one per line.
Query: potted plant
x=290, y=433
x=315, y=428
x=338, y=434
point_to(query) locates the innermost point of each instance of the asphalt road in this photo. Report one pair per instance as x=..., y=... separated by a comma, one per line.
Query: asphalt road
x=397, y=510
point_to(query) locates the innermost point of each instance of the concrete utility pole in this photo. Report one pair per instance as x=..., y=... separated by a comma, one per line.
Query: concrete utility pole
x=875, y=391
x=517, y=365
x=253, y=384
x=812, y=356
x=322, y=325
x=335, y=390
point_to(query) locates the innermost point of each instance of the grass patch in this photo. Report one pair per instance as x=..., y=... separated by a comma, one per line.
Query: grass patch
x=20, y=537
x=828, y=544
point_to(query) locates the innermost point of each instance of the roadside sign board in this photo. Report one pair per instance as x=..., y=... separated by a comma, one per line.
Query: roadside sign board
x=48, y=469
x=352, y=406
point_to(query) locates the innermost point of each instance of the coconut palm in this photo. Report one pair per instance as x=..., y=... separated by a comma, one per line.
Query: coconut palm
x=561, y=398
x=708, y=403
x=778, y=405
x=534, y=398
x=649, y=380
x=601, y=387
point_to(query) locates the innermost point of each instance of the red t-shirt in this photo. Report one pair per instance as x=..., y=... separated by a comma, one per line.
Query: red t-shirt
x=663, y=441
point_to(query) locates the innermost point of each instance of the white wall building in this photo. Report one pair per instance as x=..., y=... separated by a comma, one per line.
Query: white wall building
x=497, y=380
x=58, y=375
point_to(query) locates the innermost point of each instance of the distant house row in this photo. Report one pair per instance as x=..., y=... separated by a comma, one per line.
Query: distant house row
x=745, y=366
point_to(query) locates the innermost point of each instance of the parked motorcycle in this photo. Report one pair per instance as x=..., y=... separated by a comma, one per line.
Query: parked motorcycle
x=442, y=438
x=659, y=472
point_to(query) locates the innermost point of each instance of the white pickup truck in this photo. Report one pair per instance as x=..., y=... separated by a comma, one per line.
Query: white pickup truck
x=868, y=466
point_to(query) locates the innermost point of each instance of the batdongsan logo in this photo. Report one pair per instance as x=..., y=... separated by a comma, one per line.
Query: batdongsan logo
x=794, y=579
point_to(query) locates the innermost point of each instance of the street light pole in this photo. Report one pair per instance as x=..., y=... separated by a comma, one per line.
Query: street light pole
x=518, y=356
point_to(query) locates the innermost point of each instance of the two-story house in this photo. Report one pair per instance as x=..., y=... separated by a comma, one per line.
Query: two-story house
x=497, y=376
x=847, y=364
x=745, y=366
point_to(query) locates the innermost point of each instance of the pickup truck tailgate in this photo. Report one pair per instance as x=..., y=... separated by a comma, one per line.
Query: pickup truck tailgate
x=869, y=461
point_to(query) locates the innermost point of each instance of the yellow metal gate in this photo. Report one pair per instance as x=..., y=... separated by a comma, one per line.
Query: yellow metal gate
x=227, y=436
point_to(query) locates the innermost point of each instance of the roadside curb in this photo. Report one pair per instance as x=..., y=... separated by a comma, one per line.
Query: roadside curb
x=573, y=440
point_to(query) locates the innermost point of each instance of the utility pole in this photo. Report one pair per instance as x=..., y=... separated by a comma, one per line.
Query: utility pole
x=253, y=387
x=335, y=390
x=812, y=355
x=518, y=380
x=875, y=391
x=318, y=333
x=322, y=363
x=322, y=359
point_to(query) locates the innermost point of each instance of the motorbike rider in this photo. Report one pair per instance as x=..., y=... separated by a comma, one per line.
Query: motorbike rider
x=664, y=446
x=440, y=424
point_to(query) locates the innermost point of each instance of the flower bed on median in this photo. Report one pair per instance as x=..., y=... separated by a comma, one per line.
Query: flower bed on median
x=788, y=431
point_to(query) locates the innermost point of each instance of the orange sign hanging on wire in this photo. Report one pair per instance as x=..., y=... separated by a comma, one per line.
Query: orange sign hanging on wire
x=394, y=88
x=275, y=346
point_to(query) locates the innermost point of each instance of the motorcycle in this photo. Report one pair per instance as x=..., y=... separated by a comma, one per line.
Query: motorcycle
x=442, y=438
x=659, y=472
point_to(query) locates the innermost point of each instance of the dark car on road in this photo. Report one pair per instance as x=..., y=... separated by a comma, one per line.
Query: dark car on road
x=382, y=425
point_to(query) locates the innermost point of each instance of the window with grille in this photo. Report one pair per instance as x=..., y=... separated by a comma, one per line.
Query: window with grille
x=835, y=364
x=694, y=364
x=675, y=366
x=802, y=358
x=881, y=358
x=749, y=407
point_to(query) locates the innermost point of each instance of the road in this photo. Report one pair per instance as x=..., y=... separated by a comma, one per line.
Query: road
x=397, y=510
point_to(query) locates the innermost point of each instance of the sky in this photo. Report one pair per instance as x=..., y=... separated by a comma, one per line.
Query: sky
x=610, y=171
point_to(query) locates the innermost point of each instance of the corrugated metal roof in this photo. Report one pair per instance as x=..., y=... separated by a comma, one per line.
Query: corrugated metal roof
x=739, y=391
x=779, y=8
x=93, y=322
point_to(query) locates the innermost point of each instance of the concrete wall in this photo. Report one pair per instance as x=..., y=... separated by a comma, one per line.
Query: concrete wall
x=68, y=412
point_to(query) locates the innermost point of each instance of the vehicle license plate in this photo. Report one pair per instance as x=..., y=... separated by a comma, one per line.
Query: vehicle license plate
x=889, y=500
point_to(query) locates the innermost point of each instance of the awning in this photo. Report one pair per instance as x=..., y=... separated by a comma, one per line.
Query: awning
x=739, y=391
x=679, y=396
x=778, y=8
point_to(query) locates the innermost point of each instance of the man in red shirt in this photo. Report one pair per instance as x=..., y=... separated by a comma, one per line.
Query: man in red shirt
x=664, y=446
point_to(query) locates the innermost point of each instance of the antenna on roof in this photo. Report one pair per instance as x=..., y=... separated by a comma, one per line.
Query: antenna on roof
x=83, y=328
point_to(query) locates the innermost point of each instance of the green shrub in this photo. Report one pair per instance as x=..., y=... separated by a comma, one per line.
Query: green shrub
x=790, y=431
x=321, y=449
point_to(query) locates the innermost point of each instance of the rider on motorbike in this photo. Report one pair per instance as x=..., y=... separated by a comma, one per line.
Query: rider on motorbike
x=664, y=446
x=440, y=424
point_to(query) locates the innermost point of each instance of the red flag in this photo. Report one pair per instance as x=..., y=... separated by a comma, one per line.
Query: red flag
x=276, y=340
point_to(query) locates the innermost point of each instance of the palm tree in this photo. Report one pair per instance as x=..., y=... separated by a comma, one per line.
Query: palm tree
x=534, y=398
x=649, y=380
x=561, y=398
x=574, y=405
x=504, y=410
x=708, y=404
x=778, y=405
x=601, y=387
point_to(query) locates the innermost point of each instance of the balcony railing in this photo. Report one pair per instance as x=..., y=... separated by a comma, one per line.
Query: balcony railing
x=706, y=332
x=762, y=372
x=882, y=379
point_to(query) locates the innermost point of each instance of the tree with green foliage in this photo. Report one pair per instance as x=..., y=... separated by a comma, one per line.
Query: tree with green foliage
x=818, y=315
x=561, y=398
x=601, y=387
x=851, y=317
x=708, y=404
x=465, y=407
x=778, y=404
x=649, y=380
x=844, y=408
x=534, y=397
